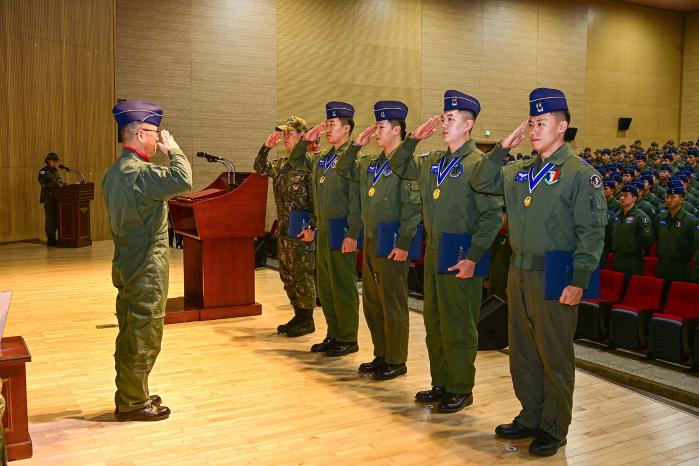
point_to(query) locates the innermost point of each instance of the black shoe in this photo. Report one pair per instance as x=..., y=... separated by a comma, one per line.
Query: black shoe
x=302, y=328
x=391, y=371
x=154, y=399
x=285, y=327
x=149, y=413
x=376, y=365
x=430, y=396
x=454, y=402
x=325, y=345
x=515, y=431
x=545, y=445
x=342, y=348
x=51, y=242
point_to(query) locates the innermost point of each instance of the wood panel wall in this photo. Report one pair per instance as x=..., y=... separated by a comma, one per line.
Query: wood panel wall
x=690, y=79
x=57, y=70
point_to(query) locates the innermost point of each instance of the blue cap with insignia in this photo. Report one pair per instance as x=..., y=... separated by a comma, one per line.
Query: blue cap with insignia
x=665, y=167
x=339, y=110
x=390, y=110
x=648, y=178
x=628, y=171
x=639, y=184
x=609, y=184
x=630, y=188
x=455, y=100
x=130, y=111
x=617, y=177
x=545, y=100
x=675, y=189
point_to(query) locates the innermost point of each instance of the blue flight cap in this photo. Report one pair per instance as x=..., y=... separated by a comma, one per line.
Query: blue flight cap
x=544, y=100
x=675, y=189
x=455, y=100
x=390, y=110
x=665, y=167
x=609, y=184
x=617, y=177
x=683, y=177
x=630, y=188
x=639, y=184
x=137, y=110
x=667, y=156
x=648, y=178
x=628, y=171
x=339, y=110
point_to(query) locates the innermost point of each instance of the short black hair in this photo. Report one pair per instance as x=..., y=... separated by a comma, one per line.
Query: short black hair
x=562, y=115
x=399, y=122
x=347, y=121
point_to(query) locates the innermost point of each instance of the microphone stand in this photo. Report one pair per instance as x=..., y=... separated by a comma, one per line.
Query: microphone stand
x=230, y=167
x=82, y=177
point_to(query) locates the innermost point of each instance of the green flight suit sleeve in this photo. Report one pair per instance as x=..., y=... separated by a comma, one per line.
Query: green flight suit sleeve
x=298, y=159
x=347, y=165
x=590, y=219
x=489, y=222
x=354, y=218
x=488, y=177
x=410, y=213
x=262, y=166
x=162, y=183
x=646, y=231
x=403, y=162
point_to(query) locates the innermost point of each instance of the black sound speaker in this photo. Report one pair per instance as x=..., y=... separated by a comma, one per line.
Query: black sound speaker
x=492, y=324
x=570, y=134
x=624, y=123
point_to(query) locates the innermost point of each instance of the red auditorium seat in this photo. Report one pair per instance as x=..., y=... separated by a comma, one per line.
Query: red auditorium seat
x=628, y=320
x=671, y=332
x=653, y=250
x=608, y=261
x=593, y=314
x=650, y=266
x=695, y=354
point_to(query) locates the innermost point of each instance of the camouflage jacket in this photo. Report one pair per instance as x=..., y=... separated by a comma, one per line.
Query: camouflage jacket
x=49, y=179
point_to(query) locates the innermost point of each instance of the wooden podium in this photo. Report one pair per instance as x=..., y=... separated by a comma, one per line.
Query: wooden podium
x=219, y=227
x=73, y=206
x=13, y=357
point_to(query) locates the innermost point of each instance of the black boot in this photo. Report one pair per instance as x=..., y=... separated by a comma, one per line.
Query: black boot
x=545, y=444
x=284, y=328
x=430, y=396
x=515, y=431
x=51, y=240
x=324, y=346
x=391, y=371
x=303, y=326
x=454, y=402
x=376, y=365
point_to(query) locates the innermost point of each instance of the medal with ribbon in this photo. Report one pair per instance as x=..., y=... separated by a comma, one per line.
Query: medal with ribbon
x=443, y=172
x=377, y=175
x=534, y=180
x=326, y=167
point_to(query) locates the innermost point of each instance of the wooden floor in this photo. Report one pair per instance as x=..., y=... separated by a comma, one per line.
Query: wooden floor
x=240, y=394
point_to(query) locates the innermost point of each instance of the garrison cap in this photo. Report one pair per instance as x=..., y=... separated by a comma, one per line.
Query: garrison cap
x=609, y=184
x=339, y=110
x=639, y=184
x=130, y=111
x=665, y=167
x=675, y=189
x=455, y=100
x=630, y=188
x=544, y=100
x=293, y=123
x=390, y=110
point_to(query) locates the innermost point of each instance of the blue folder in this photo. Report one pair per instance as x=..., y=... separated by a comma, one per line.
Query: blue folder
x=387, y=235
x=558, y=271
x=299, y=220
x=454, y=247
x=337, y=229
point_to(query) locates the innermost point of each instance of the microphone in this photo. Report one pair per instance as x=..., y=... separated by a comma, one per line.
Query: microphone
x=230, y=166
x=63, y=167
x=82, y=177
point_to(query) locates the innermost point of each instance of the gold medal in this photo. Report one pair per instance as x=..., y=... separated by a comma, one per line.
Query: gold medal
x=372, y=191
x=322, y=179
x=435, y=194
x=527, y=201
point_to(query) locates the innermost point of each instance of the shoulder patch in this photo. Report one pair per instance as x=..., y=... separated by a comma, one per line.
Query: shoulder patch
x=595, y=181
x=645, y=220
x=42, y=172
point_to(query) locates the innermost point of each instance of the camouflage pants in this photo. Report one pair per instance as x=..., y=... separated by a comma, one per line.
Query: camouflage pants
x=297, y=266
x=50, y=211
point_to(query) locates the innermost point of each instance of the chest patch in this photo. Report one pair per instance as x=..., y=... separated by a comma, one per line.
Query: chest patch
x=552, y=177
x=629, y=219
x=521, y=177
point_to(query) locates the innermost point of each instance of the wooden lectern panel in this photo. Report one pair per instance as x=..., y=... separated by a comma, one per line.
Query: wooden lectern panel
x=73, y=204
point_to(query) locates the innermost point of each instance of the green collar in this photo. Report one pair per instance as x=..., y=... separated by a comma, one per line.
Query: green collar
x=562, y=154
x=468, y=147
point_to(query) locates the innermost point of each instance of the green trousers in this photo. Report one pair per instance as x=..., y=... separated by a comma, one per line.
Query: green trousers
x=140, y=273
x=542, y=359
x=385, y=301
x=674, y=270
x=297, y=265
x=336, y=277
x=452, y=306
x=629, y=264
x=50, y=214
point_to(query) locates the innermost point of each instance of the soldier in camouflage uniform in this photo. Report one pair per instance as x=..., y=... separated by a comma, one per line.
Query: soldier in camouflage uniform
x=292, y=191
x=50, y=179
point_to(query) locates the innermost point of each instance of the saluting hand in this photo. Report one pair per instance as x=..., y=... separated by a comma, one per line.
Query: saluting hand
x=166, y=142
x=349, y=245
x=515, y=137
x=398, y=255
x=427, y=129
x=365, y=137
x=465, y=267
x=273, y=139
x=571, y=295
x=307, y=235
x=314, y=133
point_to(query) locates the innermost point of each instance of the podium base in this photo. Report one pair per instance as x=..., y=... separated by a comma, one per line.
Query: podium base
x=181, y=309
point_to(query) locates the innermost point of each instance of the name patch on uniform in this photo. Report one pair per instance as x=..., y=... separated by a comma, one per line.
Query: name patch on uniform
x=434, y=169
x=662, y=223
x=595, y=181
x=321, y=162
x=521, y=177
x=552, y=177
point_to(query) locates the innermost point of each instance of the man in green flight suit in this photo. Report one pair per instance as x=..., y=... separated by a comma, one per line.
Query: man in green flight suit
x=675, y=231
x=50, y=179
x=136, y=193
x=631, y=232
x=334, y=197
x=292, y=191
x=385, y=197
x=555, y=203
x=449, y=204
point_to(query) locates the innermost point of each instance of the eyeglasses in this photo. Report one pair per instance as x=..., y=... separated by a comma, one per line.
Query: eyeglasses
x=150, y=130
